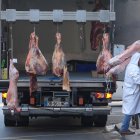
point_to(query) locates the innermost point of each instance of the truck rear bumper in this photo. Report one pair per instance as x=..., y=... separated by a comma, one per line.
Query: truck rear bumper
x=59, y=111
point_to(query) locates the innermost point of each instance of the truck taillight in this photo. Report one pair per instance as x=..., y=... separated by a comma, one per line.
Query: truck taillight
x=4, y=95
x=81, y=101
x=108, y=95
x=99, y=95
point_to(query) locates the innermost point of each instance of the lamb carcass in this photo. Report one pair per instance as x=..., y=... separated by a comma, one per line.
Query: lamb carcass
x=12, y=94
x=119, y=62
x=104, y=56
x=118, y=59
x=118, y=68
x=36, y=63
x=58, y=58
x=59, y=67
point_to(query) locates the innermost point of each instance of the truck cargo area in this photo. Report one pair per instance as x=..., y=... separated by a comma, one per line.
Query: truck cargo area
x=90, y=92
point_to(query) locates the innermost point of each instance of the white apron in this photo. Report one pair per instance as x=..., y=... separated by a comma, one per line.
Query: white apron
x=131, y=87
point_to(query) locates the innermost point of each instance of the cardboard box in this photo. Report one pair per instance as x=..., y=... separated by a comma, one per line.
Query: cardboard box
x=4, y=73
x=96, y=75
x=101, y=75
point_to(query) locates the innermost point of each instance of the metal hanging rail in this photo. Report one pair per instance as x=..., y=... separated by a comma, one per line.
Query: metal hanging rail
x=34, y=15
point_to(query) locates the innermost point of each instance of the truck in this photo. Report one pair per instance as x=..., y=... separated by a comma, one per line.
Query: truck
x=90, y=92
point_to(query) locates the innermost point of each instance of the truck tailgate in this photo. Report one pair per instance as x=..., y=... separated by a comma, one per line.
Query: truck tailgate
x=49, y=80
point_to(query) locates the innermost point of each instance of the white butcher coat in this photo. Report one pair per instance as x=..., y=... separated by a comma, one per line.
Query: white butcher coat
x=131, y=87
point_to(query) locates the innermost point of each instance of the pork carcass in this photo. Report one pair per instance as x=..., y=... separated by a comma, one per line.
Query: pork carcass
x=36, y=63
x=66, y=83
x=104, y=56
x=118, y=59
x=58, y=58
x=12, y=94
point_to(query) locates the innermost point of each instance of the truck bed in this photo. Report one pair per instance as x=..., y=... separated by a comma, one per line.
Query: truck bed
x=76, y=80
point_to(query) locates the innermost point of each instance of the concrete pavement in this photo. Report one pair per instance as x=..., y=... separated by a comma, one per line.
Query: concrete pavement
x=116, y=103
x=1, y=104
x=113, y=130
x=110, y=129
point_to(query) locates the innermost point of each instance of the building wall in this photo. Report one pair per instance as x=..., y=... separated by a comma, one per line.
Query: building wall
x=127, y=21
x=127, y=24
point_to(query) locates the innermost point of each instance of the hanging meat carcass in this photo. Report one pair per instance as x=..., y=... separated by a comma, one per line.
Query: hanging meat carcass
x=36, y=63
x=97, y=28
x=58, y=58
x=118, y=68
x=12, y=94
x=66, y=83
x=59, y=67
x=118, y=59
x=96, y=34
x=104, y=56
x=119, y=62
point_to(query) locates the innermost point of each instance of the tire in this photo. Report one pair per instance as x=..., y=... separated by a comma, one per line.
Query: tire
x=100, y=120
x=87, y=121
x=9, y=120
x=23, y=121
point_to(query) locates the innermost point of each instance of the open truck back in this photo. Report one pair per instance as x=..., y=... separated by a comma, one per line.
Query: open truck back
x=90, y=93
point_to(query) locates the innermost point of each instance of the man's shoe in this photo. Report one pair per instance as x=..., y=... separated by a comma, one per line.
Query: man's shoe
x=128, y=132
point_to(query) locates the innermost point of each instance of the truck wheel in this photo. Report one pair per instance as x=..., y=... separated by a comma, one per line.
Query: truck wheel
x=100, y=120
x=23, y=121
x=87, y=121
x=9, y=120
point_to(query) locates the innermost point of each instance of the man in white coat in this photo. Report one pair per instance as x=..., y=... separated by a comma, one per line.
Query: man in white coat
x=131, y=93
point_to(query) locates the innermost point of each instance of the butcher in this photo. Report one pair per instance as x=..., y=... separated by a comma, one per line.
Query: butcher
x=131, y=93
